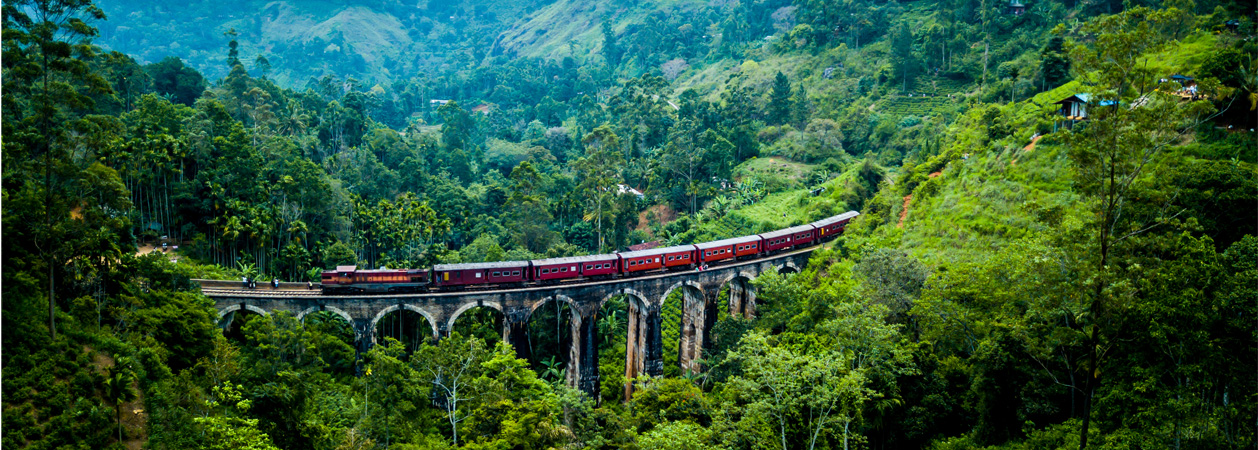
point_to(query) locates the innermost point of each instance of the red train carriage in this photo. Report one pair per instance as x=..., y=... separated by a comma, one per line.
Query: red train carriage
x=833, y=226
x=573, y=267
x=599, y=265
x=789, y=237
x=656, y=258
x=505, y=272
x=677, y=256
x=729, y=248
x=351, y=279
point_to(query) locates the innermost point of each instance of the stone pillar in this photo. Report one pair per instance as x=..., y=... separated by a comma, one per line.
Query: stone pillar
x=645, y=353
x=634, y=343
x=711, y=304
x=653, y=362
x=742, y=299
x=693, y=322
x=364, y=335
x=515, y=330
x=583, y=355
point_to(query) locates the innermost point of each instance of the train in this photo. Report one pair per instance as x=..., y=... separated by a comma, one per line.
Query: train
x=539, y=272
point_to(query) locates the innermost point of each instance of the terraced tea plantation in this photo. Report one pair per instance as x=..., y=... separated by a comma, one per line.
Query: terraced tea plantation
x=916, y=106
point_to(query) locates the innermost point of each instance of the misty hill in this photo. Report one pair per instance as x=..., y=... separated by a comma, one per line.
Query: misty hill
x=310, y=38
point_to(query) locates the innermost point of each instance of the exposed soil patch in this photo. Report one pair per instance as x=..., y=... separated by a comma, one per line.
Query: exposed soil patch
x=905, y=211
x=146, y=248
x=1031, y=146
x=662, y=214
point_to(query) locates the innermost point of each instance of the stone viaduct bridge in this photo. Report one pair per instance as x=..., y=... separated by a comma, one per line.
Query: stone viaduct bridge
x=645, y=298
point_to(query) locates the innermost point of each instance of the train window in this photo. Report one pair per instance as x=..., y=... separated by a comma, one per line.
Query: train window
x=563, y=269
x=670, y=258
x=477, y=274
x=633, y=263
x=497, y=274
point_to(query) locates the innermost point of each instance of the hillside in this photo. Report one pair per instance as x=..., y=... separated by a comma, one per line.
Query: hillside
x=1020, y=276
x=305, y=39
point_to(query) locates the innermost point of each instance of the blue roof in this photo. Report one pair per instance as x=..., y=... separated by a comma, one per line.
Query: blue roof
x=1087, y=98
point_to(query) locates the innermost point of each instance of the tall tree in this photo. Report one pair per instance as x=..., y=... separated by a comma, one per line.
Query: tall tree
x=902, y=48
x=599, y=173
x=175, y=81
x=1111, y=156
x=780, y=105
x=47, y=46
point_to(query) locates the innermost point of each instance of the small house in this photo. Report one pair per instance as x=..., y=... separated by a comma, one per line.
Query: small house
x=1075, y=108
x=1016, y=7
x=623, y=189
x=1187, y=86
x=1184, y=80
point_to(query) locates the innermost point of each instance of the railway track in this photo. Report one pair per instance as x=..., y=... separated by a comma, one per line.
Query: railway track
x=263, y=292
x=232, y=288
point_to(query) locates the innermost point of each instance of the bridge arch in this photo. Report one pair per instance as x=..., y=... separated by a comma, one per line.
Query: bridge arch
x=742, y=295
x=788, y=267
x=380, y=315
x=469, y=305
x=557, y=297
x=680, y=284
x=301, y=316
x=642, y=300
x=740, y=274
x=233, y=308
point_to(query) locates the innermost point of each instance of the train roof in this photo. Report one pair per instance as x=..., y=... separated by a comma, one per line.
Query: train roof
x=839, y=218
x=573, y=259
x=483, y=265
x=786, y=231
x=658, y=251
x=355, y=269
x=730, y=241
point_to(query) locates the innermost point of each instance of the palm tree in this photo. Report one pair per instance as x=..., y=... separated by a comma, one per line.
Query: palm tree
x=118, y=387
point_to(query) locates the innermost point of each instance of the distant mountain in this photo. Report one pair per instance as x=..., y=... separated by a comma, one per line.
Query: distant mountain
x=372, y=40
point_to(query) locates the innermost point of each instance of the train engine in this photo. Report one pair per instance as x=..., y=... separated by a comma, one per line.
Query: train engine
x=352, y=280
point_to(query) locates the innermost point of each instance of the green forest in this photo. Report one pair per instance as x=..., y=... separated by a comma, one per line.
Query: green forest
x=1021, y=276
